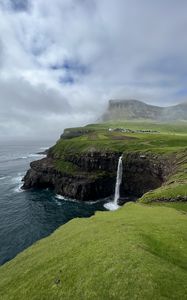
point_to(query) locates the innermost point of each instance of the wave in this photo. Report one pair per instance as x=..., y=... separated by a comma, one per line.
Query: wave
x=4, y=177
x=17, y=179
x=31, y=155
x=18, y=182
x=60, y=197
x=44, y=148
x=35, y=155
x=18, y=189
x=25, y=157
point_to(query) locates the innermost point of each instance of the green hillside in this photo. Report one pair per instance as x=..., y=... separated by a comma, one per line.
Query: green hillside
x=166, y=138
x=138, y=252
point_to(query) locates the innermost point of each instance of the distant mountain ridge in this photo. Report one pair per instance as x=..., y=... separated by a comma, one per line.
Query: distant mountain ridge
x=136, y=110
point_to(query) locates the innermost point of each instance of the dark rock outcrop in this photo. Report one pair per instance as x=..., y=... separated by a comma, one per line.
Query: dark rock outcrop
x=94, y=161
x=96, y=175
x=81, y=186
x=143, y=172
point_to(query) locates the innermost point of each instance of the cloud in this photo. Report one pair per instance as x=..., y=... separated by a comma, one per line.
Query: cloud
x=15, y=5
x=61, y=60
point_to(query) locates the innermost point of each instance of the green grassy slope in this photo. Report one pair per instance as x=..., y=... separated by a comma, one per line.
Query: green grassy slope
x=138, y=252
x=168, y=139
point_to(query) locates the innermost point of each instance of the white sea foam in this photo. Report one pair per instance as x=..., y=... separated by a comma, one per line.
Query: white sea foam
x=94, y=202
x=19, y=189
x=25, y=157
x=18, y=181
x=44, y=148
x=111, y=206
x=4, y=177
x=33, y=155
x=60, y=197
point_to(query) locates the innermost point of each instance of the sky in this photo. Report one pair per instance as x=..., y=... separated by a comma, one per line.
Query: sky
x=62, y=60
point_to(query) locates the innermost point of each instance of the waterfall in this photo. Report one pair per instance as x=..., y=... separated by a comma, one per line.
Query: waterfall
x=114, y=204
x=118, y=180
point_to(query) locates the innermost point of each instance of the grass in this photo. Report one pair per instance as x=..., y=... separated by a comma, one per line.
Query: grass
x=166, y=192
x=138, y=252
x=66, y=167
x=169, y=138
x=181, y=206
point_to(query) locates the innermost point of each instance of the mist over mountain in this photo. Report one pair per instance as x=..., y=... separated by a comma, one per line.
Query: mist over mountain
x=135, y=110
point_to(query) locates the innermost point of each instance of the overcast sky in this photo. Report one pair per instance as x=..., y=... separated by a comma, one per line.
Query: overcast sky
x=62, y=60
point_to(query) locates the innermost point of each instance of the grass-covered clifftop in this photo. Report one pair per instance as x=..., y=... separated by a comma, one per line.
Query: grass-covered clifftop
x=138, y=252
x=163, y=138
x=166, y=140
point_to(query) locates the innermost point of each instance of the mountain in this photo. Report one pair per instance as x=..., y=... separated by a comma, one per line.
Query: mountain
x=135, y=110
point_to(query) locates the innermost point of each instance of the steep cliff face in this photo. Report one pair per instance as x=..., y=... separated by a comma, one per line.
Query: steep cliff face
x=134, y=110
x=143, y=172
x=95, y=160
x=95, y=175
x=82, y=185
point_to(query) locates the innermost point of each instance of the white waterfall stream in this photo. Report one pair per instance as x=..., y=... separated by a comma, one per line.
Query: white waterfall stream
x=114, y=204
x=118, y=180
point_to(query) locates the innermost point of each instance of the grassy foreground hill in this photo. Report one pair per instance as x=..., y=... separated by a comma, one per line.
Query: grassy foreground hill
x=138, y=252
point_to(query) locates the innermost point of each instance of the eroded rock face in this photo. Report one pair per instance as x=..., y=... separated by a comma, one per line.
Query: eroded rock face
x=94, y=161
x=97, y=175
x=81, y=186
x=143, y=172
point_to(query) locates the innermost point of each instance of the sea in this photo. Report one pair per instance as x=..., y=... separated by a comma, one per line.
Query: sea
x=28, y=216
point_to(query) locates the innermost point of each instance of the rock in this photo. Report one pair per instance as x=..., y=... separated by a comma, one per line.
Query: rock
x=142, y=175
x=131, y=109
x=96, y=175
x=82, y=186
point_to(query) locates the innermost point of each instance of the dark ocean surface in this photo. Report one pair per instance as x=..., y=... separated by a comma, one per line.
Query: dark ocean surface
x=27, y=216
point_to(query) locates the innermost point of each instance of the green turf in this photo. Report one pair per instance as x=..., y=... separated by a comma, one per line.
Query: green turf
x=138, y=252
x=169, y=138
x=181, y=206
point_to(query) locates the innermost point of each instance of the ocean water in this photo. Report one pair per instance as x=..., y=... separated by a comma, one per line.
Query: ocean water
x=27, y=216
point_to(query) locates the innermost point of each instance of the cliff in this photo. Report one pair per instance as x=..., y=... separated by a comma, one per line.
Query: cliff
x=137, y=110
x=95, y=175
x=82, y=183
x=83, y=163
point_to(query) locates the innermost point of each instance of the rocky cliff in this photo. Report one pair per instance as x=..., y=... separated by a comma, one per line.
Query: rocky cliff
x=95, y=174
x=136, y=110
